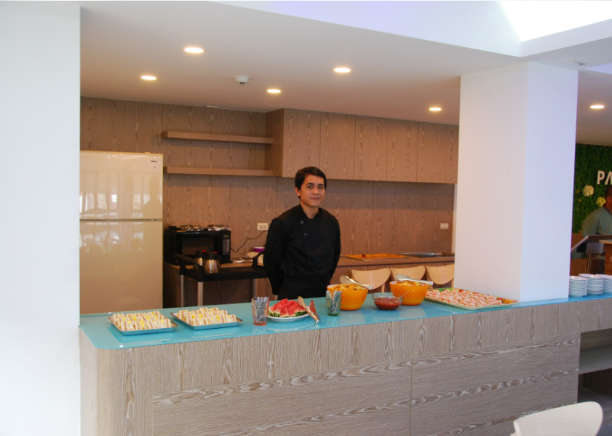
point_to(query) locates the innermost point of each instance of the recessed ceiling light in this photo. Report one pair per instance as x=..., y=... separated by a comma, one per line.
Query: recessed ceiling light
x=273, y=91
x=193, y=49
x=435, y=109
x=148, y=77
x=342, y=70
x=597, y=106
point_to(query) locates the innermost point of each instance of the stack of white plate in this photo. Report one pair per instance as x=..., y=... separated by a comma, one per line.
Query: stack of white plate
x=607, y=284
x=578, y=286
x=595, y=284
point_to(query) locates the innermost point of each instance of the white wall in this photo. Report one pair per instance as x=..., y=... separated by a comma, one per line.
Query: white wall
x=457, y=23
x=514, y=192
x=549, y=181
x=39, y=114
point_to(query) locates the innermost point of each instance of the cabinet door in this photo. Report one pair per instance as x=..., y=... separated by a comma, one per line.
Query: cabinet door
x=338, y=146
x=437, y=153
x=401, y=143
x=370, y=149
x=301, y=141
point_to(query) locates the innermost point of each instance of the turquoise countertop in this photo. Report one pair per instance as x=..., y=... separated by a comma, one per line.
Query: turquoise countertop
x=98, y=329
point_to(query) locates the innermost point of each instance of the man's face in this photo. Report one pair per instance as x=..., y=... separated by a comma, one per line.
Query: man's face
x=312, y=191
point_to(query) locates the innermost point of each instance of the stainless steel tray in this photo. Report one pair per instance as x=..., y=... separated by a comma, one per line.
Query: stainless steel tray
x=421, y=254
x=504, y=302
x=144, y=332
x=209, y=326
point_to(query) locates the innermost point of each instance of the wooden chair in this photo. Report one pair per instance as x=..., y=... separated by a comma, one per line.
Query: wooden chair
x=580, y=419
x=375, y=278
x=412, y=272
x=441, y=275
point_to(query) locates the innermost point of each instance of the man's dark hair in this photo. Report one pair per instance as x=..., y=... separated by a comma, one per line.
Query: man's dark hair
x=300, y=176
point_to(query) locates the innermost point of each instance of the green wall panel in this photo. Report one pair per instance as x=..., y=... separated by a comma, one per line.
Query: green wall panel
x=591, y=161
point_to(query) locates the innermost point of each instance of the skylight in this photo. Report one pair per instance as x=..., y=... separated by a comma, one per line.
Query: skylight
x=534, y=19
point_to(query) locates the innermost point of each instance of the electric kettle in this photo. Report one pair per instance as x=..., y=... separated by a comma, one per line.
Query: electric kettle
x=211, y=263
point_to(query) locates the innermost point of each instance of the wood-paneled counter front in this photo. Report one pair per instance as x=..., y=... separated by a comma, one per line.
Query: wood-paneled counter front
x=420, y=370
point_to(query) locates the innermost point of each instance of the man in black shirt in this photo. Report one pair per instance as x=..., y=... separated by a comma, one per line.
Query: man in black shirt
x=303, y=244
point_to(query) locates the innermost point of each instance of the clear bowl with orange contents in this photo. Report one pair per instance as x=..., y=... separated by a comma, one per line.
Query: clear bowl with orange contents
x=353, y=296
x=386, y=300
x=412, y=292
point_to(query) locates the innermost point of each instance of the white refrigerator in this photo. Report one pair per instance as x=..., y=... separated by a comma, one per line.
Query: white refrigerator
x=121, y=212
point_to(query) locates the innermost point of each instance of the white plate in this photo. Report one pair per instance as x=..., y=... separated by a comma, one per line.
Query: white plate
x=289, y=319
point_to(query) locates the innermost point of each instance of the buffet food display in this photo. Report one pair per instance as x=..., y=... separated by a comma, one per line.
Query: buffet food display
x=465, y=299
x=386, y=300
x=287, y=309
x=291, y=310
x=141, y=322
x=412, y=292
x=206, y=317
x=353, y=296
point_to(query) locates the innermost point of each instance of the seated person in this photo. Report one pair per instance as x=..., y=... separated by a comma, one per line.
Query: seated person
x=599, y=222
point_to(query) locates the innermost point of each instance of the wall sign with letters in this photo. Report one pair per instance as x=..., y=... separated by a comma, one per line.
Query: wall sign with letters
x=592, y=176
x=602, y=178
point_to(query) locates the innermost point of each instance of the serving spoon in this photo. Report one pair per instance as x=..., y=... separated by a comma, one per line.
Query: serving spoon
x=348, y=281
x=401, y=277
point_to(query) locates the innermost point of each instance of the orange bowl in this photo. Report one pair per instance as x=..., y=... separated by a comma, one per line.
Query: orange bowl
x=353, y=296
x=412, y=293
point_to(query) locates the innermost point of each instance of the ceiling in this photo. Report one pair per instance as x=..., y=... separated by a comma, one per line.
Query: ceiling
x=396, y=73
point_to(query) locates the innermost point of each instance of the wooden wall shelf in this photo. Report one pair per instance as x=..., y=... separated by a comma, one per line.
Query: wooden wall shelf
x=595, y=359
x=214, y=137
x=219, y=171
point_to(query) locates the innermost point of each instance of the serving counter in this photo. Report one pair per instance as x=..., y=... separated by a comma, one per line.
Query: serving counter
x=430, y=369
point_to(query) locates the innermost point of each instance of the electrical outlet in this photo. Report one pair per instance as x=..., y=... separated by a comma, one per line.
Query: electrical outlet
x=443, y=226
x=262, y=227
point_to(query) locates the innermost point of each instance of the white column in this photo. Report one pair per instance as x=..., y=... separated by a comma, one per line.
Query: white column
x=517, y=137
x=39, y=280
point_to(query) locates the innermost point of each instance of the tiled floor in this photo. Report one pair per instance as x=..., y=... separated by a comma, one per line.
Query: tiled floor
x=605, y=402
x=605, y=431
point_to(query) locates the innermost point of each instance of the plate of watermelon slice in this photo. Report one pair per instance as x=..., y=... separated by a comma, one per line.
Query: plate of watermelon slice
x=286, y=311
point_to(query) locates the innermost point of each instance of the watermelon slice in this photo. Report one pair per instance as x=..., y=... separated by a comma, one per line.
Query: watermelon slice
x=313, y=309
x=286, y=309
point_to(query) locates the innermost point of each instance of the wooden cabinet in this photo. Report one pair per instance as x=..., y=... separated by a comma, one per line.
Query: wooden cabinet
x=370, y=155
x=302, y=141
x=362, y=148
x=296, y=140
x=275, y=128
x=401, y=150
x=437, y=150
x=338, y=146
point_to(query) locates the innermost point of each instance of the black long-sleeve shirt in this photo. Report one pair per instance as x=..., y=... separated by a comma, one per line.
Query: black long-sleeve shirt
x=301, y=254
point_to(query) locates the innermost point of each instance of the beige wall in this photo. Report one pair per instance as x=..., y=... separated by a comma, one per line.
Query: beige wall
x=374, y=216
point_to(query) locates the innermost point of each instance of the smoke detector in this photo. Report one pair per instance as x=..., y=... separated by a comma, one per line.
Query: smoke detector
x=241, y=79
